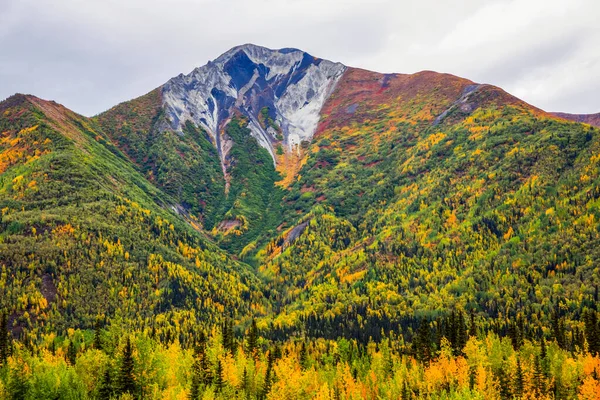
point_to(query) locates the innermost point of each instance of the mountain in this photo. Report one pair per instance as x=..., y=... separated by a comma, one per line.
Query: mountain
x=412, y=173
x=348, y=223
x=401, y=173
x=592, y=119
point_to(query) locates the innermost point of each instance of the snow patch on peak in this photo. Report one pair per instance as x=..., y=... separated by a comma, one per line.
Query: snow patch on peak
x=300, y=105
x=247, y=78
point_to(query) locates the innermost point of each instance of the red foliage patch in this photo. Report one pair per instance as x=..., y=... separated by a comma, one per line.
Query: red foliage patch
x=360, y=93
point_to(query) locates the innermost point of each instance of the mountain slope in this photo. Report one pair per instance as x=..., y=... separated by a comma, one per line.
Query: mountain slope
x=424, y=194
x=83, y=235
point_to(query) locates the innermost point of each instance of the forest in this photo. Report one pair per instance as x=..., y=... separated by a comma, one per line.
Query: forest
x=446, y=359
x=400, y=256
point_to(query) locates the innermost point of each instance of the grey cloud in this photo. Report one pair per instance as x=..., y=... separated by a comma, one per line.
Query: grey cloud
x=90, y=55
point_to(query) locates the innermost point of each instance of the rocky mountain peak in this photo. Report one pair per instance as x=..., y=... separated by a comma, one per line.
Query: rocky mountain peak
x=285, y=86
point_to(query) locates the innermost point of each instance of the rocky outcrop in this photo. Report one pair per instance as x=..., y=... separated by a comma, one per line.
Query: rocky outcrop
x=288, y=85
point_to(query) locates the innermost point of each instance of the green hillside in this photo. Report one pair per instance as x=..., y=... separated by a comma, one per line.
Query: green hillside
x=85, y=236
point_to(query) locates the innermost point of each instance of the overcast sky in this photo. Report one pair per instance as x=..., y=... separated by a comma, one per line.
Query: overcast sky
x=92, y=54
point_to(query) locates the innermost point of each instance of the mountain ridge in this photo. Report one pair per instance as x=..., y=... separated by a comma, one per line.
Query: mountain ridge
x=592, y=119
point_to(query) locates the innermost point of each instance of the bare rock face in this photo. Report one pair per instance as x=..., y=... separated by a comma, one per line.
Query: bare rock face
x=288, y=85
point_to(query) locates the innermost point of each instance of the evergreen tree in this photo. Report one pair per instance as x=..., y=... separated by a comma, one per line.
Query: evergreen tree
x=97, y=337
x=252, y=341
x=201, y=364
x=337, y=394
x=268, y=376
x=194, y=393
x=206, y=374
x=106, y=390
x=227, y=333
x=519, y=380
x=219, y=376
x=539, y=380
x=277, y=352
x=4, y=339
x=558, y=328
x=196, y=373
x=544, y=357
x=422, y=343
x=543, y=348
x=302, y=356
x=126, y=377
x=53, y=347
x=504, y=385
x=245, y=381
x=472, y=377
x=472, y=325
x=515, y=336
x=71, y=352
x=405, y=394
x=592, y=332
x=461, y=334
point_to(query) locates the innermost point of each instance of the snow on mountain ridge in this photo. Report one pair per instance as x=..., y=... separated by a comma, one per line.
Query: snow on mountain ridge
x=291, y=83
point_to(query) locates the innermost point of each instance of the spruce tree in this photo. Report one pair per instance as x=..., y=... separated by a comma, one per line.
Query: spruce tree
x=196, y=374
x=219, y=376
x=252, y=341
x=206, y=370
x=543, y=348
x=268, y=376
x=515, y=336
x=71, y=352
x=245, y=381
x=472, y=377
x=106, y=390
x=277, y=352
x=519, y=380
x=4, y=339
x=126, y=378
x=227, y=333
x=544, y=357
x=405, y=394
x=302, y=356
x=472, y=325
x=97, y=337
x=592, y=332
x=201, y=364
x=194, y=393
x=422, y=343
x=558, y=328
x=539, y=380
x=337, y=394
x=461, y=334
x=504, y=385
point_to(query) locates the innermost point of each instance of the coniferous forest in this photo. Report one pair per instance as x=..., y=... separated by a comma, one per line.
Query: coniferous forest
x=435, y=239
